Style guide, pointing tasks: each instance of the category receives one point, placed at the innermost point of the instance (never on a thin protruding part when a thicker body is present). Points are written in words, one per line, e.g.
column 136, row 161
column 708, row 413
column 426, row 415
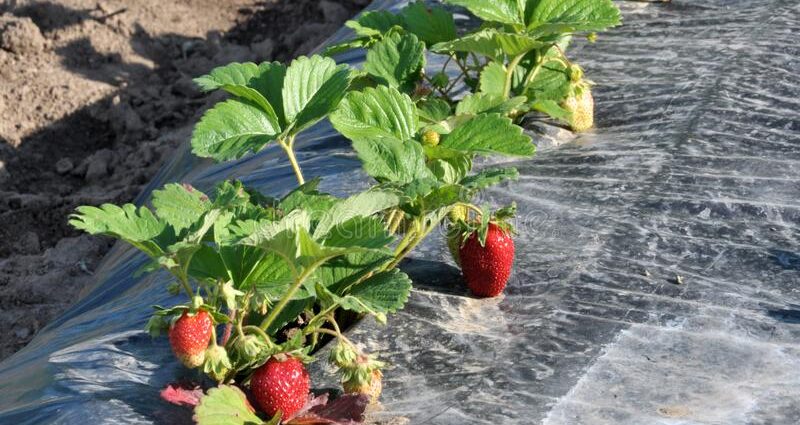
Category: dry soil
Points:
column 93, row 95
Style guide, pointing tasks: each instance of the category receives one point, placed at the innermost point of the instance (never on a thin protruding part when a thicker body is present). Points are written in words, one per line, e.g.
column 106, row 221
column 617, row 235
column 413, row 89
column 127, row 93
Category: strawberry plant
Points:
column 268, row 279
column 514, row 62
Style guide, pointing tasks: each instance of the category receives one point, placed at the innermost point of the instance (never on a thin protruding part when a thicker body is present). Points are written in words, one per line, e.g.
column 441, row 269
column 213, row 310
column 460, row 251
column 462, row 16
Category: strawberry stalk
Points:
column 288, row 146
column 289, row 295
column 510, row 75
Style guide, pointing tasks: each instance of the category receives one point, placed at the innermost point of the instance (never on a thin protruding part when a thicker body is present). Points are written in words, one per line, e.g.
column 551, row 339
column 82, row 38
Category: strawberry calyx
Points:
column 463, row 229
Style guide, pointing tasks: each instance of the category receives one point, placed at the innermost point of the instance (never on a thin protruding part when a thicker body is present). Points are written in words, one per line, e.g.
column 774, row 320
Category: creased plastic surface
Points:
column 693, row 172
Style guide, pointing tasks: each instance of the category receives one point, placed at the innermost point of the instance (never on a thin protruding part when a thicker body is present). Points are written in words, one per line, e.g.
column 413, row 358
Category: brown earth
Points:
column 92, row 96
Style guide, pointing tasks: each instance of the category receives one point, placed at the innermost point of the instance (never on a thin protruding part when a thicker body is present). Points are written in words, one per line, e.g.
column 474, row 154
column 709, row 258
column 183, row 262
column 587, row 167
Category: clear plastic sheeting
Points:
column 693, row 171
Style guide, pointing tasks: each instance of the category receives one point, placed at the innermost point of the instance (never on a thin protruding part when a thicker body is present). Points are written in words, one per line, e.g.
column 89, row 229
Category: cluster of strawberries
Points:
column 282, row 384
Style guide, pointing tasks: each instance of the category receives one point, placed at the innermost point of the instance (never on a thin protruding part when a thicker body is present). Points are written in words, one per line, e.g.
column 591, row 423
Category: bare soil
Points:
column 92, row 97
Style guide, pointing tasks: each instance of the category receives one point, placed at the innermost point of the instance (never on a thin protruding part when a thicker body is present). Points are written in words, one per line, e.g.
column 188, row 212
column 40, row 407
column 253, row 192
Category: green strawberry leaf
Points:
column 264, row 232
column 550, row 83
column 232, row 74
column 269, row 82
column 503, row 11
column 551, row 108
column 376, row 114
column 346, row 46
column 243, row 202
column 272, row 291
column 489, row 134
column 338, row 274
column 374, row 23
column 385, row 292
column 490, row 177
column 368, row 232
column 491, row 43
column 431, row 24
column 433, row 110
column 451, row 170
column 396, row 61
column 308, row 198
column 231, row 129
column 312, row 88
column 180, row 205
column 363, row 204
column 493, row 80
column 392, row 160
column 245, row 265
column 178, row 256
column 207, row 265
column 314, row 202
column 259, row 267
column 227, row 405
column 239, row 79
column 565, row 16
column 140, row 228
column 444, row 196
column 478, row 103
column 290, row 239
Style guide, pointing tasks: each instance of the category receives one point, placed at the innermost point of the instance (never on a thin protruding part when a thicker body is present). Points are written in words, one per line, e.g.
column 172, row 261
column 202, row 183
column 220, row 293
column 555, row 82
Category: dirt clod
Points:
column 20, row 35
column 64, row 166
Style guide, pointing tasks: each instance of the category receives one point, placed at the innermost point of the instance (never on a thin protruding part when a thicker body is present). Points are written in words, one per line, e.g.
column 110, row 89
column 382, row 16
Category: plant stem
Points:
column 404, row 242
column 441, row 91
column 322, row 314
column 337, row 335
column 228, row 328
column 257, row 330
column 532, row 74
column 285, row 300
column 396, row 220
column 473, row 208
column 407, row 245
column 288, row 147
column 390, row 219
column 510, row 74
column 213, row 336
column 463, row 67
column 186, row 287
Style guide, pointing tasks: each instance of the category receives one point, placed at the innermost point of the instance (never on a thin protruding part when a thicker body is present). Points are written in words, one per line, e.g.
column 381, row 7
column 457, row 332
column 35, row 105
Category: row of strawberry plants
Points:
column 267, row 280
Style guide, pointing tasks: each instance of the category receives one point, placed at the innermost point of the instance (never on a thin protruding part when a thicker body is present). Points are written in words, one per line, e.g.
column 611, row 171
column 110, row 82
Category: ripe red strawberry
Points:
column 281, row 385
column 189, row 337
column 487, row 268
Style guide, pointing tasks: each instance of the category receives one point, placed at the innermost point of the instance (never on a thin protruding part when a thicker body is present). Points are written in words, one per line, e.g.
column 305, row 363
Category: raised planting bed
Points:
column 655, row 257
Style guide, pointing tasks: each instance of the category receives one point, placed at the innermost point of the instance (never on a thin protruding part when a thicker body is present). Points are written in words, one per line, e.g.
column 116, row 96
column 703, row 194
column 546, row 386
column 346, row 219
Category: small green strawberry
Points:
column 363, row 377
column 430, row 138
column 370, row 384
column 361, row 373
column 217, row 364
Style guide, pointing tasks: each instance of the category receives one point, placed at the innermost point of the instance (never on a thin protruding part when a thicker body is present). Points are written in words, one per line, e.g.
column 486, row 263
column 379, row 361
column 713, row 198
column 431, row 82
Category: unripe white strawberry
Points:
column 580, row 104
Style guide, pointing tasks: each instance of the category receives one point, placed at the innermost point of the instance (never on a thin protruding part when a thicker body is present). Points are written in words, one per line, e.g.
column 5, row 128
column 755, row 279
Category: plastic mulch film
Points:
column 692, row 171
